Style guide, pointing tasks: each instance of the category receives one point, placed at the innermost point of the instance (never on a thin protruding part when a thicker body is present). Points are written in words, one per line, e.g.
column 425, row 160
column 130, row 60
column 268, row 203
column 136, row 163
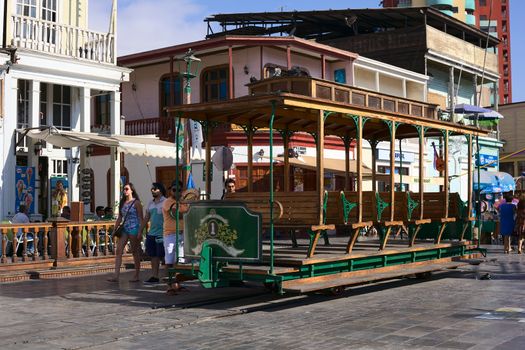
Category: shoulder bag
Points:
column 120, row 229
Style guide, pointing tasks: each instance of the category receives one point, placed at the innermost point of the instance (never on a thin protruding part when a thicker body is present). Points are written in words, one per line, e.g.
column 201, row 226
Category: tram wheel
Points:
column 271, row 287
column 424, row 275
column 334, row 291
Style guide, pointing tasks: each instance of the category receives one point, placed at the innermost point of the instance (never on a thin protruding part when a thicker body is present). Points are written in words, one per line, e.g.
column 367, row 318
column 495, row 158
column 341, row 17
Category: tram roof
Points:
column 301, row 114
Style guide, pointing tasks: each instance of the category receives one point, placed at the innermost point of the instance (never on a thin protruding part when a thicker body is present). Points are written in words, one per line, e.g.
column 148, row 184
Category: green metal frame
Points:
column 347, row 207
column 211, row 274
column 381, row 205
column 411, row 205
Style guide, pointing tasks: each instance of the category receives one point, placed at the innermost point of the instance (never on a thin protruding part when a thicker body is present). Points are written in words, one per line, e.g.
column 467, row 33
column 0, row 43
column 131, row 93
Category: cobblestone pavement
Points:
column 461, row 309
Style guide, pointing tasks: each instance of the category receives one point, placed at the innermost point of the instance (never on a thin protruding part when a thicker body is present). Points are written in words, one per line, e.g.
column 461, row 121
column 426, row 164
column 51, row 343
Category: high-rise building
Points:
column 489, row 15
column 493, row 16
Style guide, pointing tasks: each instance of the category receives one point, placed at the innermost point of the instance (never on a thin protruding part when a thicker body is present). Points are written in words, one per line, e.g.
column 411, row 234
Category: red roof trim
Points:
column 234, row 40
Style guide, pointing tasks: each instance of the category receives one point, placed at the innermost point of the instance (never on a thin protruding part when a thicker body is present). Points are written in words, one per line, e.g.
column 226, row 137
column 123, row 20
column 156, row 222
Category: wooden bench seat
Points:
column 292, row 210
column 434, row 211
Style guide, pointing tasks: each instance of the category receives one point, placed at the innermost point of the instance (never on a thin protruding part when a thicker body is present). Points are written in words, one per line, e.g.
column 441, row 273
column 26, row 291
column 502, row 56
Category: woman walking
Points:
column 520, row 224
column 130, row 214
column 507, row 211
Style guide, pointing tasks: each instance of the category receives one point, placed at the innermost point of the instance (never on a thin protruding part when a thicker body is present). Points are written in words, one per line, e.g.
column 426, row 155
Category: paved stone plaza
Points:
column 462, row 309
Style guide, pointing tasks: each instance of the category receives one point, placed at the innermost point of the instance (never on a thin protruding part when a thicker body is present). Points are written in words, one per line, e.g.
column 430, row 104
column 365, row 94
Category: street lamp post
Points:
column 189, row 59
column 478, row 188
column 190, row 73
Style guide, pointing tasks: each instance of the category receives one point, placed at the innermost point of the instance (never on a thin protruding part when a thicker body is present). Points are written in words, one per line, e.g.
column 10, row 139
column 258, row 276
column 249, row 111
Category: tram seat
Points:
column 459, row 210
column 376, row 212
column 434, row 211
column 292, row 210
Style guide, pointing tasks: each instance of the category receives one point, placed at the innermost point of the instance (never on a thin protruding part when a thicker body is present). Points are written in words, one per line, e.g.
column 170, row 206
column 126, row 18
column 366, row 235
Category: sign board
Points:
column 384, row 154
column 408, row 179
column 25, row 188
column 487, row 160
column 233, row 231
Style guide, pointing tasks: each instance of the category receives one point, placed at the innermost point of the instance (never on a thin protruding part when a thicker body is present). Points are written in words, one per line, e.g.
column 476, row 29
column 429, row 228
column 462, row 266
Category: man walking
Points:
column 154, row 237
column 173, row 240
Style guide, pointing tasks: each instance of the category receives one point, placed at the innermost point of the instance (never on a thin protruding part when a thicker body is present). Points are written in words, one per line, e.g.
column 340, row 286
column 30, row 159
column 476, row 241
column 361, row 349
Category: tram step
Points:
column 313, row 284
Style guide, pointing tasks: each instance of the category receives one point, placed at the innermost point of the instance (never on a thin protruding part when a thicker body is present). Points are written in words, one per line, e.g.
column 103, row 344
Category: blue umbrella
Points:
column 494, row 182
column 464, row 108
column 492, row 115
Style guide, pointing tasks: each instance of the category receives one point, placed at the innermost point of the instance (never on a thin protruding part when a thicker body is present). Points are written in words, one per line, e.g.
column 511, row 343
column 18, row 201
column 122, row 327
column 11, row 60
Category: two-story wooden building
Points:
column 235, row 66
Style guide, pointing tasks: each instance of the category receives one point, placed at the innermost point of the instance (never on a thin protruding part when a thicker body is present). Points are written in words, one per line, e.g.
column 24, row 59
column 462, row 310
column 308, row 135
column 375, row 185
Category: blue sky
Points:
column 149, row 24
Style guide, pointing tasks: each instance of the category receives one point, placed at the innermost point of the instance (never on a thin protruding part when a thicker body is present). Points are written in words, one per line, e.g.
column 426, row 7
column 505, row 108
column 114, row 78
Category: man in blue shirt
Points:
column 154, row 237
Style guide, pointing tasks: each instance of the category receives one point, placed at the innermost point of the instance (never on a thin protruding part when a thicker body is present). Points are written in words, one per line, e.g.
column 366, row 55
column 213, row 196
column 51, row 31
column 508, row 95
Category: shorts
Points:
column 154, row 247
column 133, row 232
column 169, row 248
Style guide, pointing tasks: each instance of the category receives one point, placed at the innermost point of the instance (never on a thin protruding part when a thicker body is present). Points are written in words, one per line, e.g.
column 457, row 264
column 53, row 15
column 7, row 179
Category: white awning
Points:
column 148, row 146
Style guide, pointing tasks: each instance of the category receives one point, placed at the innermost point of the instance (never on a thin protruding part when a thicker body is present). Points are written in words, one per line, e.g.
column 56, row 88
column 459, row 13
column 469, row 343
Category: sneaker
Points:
column 152, row 280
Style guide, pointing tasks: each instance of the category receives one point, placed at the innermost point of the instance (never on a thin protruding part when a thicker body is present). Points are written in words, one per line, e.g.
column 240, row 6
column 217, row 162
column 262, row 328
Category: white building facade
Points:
column 56, row 74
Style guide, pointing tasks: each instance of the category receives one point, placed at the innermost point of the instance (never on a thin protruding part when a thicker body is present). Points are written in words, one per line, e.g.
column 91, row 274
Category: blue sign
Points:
column 488, row 160
column 25, row 188
column 407, row 157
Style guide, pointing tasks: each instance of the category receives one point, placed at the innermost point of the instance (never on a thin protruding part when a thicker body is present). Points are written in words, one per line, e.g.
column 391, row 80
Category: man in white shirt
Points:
column 22, row 218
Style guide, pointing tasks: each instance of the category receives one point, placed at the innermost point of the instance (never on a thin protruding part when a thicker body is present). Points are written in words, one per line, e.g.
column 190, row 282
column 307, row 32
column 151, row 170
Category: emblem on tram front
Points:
column 215, row 230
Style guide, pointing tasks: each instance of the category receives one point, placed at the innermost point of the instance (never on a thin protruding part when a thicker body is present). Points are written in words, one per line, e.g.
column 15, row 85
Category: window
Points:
column 23, row 103
column 340, row 76
column 45, row 10
column 26, row 8
column 214, row 82
column 482, row 3
column 23, row 108
column 384, row 186
column 170, row 91
column 102, row 110
column 62, row 107
column 49, row 10
column 59, row 167
column 43, row 104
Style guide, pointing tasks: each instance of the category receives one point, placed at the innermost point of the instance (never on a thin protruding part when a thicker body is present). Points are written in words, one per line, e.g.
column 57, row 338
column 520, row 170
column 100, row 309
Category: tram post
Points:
column 271, row 187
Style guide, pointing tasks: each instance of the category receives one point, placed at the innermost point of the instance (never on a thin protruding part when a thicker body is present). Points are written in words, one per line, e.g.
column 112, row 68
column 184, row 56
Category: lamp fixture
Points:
column 246, row 70
column 89, row 150
column 38, row 148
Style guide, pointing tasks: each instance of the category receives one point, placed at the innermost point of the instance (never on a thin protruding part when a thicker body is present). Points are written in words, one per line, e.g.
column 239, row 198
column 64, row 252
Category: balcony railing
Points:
column 45, row 36
column 328, row 90
column 163, row 127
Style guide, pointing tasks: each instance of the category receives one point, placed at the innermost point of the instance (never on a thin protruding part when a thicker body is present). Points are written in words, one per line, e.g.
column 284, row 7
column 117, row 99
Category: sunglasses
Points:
column 127, row 189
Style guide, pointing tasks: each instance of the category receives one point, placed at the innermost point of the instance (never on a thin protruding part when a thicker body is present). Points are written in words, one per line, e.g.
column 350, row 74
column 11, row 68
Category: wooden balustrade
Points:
column 59, row 242
column 61, row 39
column 163, row 127
column 328, row 90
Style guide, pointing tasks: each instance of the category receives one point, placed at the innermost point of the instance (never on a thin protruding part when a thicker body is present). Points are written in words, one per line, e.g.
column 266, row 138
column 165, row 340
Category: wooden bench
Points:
column 434, row 211
column 292, row 210
column 459, row 210
column 376, row 212
column 414, row 221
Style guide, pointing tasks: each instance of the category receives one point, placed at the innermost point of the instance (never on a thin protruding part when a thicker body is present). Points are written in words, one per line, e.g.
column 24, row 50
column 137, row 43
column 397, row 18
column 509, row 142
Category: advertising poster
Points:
column 58, row 187
column 25, row 188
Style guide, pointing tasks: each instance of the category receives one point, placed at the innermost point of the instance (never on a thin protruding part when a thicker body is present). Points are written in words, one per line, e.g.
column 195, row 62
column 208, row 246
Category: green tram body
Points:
column 287, row 112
